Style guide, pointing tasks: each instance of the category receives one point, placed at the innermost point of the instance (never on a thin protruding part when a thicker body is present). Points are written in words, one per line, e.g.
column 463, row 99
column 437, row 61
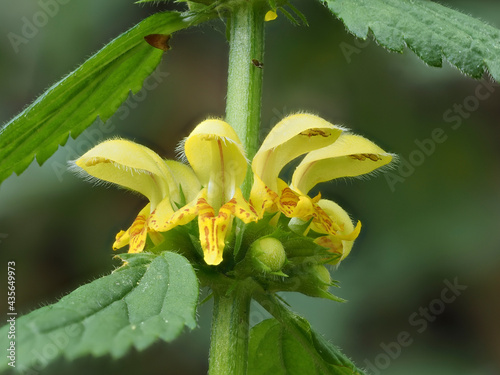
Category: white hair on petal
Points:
column 379, row 170
column 95, row 181
column 84, row 175
column 341, row 127
column 180, row 152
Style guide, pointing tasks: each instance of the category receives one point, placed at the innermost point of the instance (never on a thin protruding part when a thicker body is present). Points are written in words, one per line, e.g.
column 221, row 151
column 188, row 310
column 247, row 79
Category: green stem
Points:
column 230, row 326
column 244, row 86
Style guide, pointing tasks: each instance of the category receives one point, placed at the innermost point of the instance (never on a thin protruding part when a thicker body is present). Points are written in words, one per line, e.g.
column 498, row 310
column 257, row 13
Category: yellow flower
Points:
column 210, row 186
column 137, row 168
column 332, row 153
column 209, row 189
column 218, row 160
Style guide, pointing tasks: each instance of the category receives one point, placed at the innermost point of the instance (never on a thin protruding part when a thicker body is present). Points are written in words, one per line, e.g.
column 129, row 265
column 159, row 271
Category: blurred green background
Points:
column 434, row 221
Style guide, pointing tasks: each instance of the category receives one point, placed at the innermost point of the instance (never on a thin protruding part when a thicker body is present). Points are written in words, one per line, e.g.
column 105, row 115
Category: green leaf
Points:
column 296, row 348
column 429, row 29
column 134, row 306
column 96, row 89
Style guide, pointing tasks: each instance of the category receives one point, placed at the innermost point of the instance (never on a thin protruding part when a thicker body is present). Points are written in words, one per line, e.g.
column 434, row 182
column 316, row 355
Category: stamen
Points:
column 312, row 132
column 362, row 157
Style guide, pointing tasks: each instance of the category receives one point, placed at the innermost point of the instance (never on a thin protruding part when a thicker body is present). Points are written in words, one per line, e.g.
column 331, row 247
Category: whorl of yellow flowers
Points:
column 209, row 187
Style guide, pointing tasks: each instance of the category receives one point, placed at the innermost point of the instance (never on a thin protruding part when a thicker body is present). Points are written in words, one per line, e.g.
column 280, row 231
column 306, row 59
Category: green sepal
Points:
column 299, row 226
column 304, row 279
column 177, row 239
column 299, row 246
column 195, row 241
column 289, row 16
column 278, row 273
column 249, row 233
column 299, row 14
column 240, row 229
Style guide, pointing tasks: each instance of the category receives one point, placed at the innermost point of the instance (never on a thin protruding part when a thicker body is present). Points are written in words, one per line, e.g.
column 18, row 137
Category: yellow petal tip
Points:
column 270, row 16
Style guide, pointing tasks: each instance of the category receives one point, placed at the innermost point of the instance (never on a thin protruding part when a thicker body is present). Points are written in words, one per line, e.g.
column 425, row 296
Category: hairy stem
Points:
column 244, row 87
column 230, row 324
column 230, row 330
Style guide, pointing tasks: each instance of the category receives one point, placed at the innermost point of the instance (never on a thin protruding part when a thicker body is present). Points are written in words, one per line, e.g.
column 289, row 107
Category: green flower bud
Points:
column 322, row 275
column 268, row 253
column 311, row 279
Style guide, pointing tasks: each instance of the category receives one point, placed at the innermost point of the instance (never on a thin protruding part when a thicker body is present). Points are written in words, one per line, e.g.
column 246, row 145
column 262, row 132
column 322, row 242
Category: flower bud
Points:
column 314, row 281
column 268, row 254
column 322, row 276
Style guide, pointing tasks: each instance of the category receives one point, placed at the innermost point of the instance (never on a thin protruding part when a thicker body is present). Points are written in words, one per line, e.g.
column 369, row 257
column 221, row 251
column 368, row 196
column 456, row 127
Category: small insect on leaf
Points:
column 159, row 41
column 257, row 63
